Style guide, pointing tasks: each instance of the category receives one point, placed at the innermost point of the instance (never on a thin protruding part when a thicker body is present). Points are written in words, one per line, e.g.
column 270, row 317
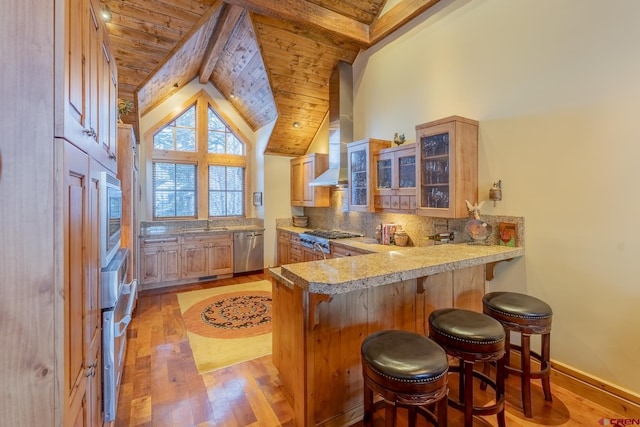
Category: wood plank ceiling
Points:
column 271, row 59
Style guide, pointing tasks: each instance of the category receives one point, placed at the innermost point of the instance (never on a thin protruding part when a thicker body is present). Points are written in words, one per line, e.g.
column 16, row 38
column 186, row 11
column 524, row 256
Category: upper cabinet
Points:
column 360, row 166
column 447, row 155
column 395, row 179
column 305, row 169
column 86, row 114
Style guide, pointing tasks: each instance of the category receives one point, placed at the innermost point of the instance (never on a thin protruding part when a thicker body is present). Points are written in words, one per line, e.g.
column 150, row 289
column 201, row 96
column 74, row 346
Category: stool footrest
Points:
column 478, row 410
column 542, row 373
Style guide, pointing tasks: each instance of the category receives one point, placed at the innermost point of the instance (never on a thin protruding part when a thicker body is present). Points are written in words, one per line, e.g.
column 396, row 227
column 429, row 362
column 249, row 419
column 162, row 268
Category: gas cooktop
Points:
column 332, row 234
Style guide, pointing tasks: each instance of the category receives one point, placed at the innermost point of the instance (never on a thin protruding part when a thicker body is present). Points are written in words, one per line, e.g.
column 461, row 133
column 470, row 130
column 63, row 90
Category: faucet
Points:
column 316, row 245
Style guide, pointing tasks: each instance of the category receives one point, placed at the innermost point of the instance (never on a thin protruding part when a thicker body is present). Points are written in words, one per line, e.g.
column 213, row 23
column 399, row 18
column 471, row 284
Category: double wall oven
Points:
column 118, row 299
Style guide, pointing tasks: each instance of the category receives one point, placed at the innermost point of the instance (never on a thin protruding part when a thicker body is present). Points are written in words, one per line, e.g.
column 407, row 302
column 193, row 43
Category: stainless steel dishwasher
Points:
column 248, row 251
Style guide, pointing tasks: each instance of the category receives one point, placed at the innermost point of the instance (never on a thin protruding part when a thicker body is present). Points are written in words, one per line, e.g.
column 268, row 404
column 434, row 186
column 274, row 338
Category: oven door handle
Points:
column 130, row 289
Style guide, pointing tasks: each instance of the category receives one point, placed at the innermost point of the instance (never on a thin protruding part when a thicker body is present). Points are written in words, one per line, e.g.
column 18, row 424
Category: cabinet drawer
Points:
column 158, row 241
column 211, row 238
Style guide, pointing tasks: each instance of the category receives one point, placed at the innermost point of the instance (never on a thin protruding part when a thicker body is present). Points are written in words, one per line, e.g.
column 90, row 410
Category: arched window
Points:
column 198, row 164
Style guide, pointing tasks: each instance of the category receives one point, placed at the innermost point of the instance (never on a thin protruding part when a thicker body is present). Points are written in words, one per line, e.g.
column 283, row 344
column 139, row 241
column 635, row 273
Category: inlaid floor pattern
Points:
column 161, row 386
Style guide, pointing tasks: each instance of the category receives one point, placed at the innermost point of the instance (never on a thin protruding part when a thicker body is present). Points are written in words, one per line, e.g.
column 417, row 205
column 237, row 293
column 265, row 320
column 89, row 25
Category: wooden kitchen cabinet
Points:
column 206, row 256
column 447, row 157
column 360, row 166
column 395, row 179
column 305, row 169
column 86, row 110
column 284, row 246
column 160, row 261
column 82, row 314
column 129, row 183
column 295, row 250
column 311, row 254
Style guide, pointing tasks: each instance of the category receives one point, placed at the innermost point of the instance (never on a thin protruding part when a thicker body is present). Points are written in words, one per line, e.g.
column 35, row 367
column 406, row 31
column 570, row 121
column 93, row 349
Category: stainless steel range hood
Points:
column 340, row 126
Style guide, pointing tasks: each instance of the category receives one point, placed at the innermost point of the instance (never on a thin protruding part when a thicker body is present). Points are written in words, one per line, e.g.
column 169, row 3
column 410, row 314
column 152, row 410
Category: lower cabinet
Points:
column 310, row 254
column 284, row 246
column 207, row 256
column 183, row 259
column 160, row 261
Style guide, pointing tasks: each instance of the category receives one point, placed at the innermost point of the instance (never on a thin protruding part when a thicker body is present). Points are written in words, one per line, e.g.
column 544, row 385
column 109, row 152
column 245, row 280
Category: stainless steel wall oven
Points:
column 118, row 302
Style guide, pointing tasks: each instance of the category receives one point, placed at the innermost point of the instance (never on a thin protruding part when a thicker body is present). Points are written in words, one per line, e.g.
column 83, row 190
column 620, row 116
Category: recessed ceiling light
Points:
column 296, row 125
column 232, row 95
column 106, row 13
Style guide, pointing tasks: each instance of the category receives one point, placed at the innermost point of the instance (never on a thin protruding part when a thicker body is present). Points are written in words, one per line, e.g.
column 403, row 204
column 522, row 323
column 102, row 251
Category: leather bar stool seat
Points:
column 528, row 316
column 471, row 337
column 408, row 370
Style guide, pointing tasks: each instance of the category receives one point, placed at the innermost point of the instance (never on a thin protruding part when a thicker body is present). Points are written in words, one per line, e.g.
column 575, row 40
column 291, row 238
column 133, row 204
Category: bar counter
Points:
column 323, row 310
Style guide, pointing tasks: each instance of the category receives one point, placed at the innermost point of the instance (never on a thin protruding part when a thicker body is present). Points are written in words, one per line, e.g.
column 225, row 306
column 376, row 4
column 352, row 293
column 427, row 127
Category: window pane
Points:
column 234, row 146
column 216, row 203
column 163, row 140
column 216, row 178
column 188, row 118
column 179, row 135
column 174, row 190
column 234, row 203
column 216, row 142
column 214, row 121
column 226, row 191
column 234, row 178
column 185, row 139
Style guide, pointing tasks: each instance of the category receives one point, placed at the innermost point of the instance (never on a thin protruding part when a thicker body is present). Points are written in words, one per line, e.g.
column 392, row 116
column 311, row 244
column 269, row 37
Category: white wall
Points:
column 555, row 87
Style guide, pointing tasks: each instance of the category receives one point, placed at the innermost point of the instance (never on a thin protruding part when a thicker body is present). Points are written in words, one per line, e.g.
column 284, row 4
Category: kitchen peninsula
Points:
column 322, row 310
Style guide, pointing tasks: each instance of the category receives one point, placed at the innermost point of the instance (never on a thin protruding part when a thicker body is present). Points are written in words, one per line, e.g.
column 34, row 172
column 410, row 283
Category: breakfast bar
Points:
column 323, row 310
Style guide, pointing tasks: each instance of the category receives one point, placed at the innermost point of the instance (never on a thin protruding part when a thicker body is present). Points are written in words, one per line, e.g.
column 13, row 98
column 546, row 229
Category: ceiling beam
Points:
column 227, row 22
column 396, row 17
column 309, row 14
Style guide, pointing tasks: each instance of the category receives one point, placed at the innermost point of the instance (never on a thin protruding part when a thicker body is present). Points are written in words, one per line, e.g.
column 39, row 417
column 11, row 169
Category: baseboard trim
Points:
column 614, row 398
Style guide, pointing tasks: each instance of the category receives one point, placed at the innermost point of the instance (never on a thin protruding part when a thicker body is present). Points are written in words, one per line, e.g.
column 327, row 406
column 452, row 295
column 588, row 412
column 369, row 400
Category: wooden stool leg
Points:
column 500, row 388
column 389, row 415
column 412, row 416
column 442, row 412
column 526, row 375
column 367, row 419
column 507, row 349
column 461, row 381
column 467, row 372
column 546, row 357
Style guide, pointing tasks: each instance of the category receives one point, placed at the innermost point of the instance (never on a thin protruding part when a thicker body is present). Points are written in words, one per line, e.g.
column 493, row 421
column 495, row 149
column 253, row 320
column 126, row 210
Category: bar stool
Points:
column 406, row 369
column 528, row 316
column 471, row 337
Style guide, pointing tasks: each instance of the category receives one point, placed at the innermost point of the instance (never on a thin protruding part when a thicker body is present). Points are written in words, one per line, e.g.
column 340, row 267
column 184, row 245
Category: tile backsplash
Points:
column 417, row 227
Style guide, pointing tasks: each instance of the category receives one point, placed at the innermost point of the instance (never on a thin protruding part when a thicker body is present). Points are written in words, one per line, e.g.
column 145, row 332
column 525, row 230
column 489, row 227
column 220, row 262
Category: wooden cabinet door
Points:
column 297, row 183
column 194, row 261
column 308, row 174
column 150, row 265
column 284, row 246
column 170, row 263
column 76, row 238
column 221, row 258
column 447, row 162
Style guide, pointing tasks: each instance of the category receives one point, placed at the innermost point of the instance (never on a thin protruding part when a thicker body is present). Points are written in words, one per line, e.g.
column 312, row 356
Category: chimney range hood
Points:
column 340, row 126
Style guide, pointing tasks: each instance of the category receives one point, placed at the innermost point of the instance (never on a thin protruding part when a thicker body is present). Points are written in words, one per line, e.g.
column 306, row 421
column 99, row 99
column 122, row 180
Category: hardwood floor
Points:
column 161, row 386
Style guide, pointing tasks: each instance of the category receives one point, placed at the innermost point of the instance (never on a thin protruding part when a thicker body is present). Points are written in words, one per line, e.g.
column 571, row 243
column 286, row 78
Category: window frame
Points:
column 201, row 157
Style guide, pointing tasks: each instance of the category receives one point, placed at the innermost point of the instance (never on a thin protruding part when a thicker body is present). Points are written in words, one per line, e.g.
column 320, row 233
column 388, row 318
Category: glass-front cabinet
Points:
column 360, row 167
column 447, row 155
column 395, row 178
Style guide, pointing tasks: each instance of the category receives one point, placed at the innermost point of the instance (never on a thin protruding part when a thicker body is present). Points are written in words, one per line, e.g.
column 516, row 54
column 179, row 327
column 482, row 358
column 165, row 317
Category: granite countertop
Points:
column 159, row 231
column 394, row 264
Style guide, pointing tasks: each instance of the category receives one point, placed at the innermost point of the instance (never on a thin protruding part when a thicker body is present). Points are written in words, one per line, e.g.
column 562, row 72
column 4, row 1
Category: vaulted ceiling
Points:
column 271, row 59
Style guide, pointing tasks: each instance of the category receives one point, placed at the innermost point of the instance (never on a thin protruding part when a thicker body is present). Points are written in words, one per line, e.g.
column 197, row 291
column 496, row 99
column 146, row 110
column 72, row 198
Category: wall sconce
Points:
column 106, row 13
column 495, row 192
